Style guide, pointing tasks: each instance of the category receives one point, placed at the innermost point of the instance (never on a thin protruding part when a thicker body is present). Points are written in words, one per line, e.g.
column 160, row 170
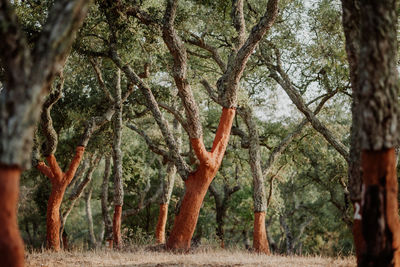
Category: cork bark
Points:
column 117, row 159
column 198, row 182
column 168, row 185
column 377, row 93
column 11, row 244
column 23, row 94
column 59, row 182
column 161, row 223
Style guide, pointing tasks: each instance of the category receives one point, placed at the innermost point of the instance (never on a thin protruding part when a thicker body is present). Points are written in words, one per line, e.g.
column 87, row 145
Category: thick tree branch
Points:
column 179, row 73
column 46, row 121
column 229, row 82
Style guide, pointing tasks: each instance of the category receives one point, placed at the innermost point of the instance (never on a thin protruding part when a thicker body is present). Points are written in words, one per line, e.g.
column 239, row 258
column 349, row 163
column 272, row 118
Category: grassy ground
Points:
column 203, row 258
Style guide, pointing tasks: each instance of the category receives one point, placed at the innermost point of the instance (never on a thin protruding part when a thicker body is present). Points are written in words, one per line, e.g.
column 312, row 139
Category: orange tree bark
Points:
column 168, row 185
column 228, row 85
column 161, row 222
column 11, row 244
column 198, row 182
column 59, row 182
column 377, row 93
column 22, row 97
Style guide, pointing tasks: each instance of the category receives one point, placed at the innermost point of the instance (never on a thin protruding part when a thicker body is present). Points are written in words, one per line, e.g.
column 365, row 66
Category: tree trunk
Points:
column 168, row 186
column 260, row 241
column 104, row 200
column 117, row 157
column 11, row 244
column 380, row 224
column 161, row 222
column 59, row 182
column 53, row 221
column 198, row 182
column 377, row 95
column 89, row 217
column 117, row 239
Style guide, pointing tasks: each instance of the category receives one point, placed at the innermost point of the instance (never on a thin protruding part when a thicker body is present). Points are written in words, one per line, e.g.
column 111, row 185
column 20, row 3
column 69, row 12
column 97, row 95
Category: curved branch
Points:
column 46, row 121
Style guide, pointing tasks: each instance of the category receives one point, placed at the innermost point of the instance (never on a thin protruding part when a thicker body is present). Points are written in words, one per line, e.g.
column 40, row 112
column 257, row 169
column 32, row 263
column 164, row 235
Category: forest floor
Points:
column 197, row 258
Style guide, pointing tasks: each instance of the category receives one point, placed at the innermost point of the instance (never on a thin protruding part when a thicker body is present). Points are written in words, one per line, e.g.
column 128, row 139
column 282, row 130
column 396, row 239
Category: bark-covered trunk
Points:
column 198, row 182
column 21, row 100
column 117, row 158
column 104, row 200
column 379, row 116
column 89, row 217
column 260, row 241
column 59, row 182
column 168, row 185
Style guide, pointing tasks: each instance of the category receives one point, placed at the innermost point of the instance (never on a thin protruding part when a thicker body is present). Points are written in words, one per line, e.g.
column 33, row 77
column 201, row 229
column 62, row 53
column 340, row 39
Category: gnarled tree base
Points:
column 11, row 244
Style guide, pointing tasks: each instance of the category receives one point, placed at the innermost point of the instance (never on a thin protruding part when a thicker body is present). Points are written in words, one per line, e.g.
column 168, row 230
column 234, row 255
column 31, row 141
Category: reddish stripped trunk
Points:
column 11, row 244
column 198, row 182
column 53, row 217
column 260, row 241
column 59, row 182
column 117, row 226
column 380, row 223
column 162, row 220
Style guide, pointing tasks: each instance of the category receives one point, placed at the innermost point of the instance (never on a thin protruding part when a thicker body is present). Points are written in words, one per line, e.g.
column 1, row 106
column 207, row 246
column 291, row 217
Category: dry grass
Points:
column 205, row 257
